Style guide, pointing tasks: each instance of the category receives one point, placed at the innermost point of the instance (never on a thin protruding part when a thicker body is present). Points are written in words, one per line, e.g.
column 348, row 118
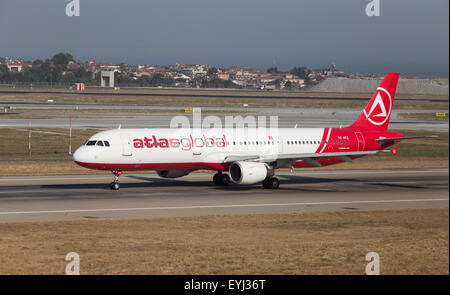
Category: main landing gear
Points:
column 115, row 184
column 271, row 183
column 221, row 179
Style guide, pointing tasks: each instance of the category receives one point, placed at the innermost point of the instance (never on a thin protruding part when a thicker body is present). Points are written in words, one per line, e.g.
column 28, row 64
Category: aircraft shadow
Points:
column 155, row 182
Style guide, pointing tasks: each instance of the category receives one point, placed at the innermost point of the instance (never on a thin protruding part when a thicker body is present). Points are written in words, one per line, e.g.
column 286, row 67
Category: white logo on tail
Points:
column 384, row 101
column 378, row 101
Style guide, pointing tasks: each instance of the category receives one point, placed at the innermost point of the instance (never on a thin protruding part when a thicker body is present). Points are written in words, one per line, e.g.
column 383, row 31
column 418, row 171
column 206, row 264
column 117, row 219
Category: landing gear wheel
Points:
column 271, row 183
column 224, row 179
column 114, row 186
column 221, row 179
column 216, row 179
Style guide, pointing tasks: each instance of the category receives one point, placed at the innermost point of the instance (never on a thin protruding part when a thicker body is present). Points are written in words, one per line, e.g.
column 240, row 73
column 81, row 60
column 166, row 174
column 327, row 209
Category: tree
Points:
column 37, row 62
column 4, row 73
column 218, row 83
column 62, row 59
column 3, row 69
column 301, row 72
column 212, row 71
column 273, row 70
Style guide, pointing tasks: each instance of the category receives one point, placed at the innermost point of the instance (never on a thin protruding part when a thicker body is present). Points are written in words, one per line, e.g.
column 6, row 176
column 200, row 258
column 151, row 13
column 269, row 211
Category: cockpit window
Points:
column 91, row 142
column 100, row 143
column 106, row 143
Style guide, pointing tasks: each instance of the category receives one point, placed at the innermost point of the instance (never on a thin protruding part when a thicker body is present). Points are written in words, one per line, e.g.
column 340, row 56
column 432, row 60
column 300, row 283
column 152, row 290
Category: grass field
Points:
column 76, row 112
column 46, row 143
column 320, row 100
column 221, row 92
column 413, row 241
column 423, row 116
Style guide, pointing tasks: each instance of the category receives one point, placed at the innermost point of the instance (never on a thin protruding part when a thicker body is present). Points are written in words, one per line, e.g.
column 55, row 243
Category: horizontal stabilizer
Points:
column 383, row 140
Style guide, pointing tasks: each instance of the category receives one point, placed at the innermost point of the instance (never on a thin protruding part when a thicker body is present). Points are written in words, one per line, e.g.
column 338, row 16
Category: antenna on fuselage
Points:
column 295, row 126
column 119, row 126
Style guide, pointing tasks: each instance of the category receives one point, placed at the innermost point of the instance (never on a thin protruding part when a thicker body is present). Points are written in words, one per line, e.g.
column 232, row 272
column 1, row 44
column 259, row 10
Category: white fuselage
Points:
column 137, row 147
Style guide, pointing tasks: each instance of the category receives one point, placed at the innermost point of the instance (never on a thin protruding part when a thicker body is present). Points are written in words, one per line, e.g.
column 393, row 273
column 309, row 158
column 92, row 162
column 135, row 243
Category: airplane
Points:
column 243, row 155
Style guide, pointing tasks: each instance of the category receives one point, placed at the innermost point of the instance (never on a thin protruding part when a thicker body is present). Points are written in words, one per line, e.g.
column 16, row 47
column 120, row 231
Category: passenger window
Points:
column 106, row 143
column 100, row 143
column 91, row 142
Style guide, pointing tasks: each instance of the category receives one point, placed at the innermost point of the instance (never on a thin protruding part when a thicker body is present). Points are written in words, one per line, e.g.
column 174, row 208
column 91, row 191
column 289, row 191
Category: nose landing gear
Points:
column 115, row 184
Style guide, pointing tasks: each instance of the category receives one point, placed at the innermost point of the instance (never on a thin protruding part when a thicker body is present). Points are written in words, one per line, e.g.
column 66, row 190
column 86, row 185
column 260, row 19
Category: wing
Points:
column 307, row 157
column 230, row 159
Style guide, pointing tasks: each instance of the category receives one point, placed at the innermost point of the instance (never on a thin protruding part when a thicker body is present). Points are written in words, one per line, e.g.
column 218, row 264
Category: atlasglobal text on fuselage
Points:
column 243, row 155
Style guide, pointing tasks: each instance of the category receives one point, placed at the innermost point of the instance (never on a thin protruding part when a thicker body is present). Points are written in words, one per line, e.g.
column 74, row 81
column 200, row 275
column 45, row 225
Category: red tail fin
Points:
column 377, row 113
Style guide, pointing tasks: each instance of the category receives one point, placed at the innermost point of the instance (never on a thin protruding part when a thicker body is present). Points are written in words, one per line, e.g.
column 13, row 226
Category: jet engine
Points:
column 173, row 173
column 248, row 172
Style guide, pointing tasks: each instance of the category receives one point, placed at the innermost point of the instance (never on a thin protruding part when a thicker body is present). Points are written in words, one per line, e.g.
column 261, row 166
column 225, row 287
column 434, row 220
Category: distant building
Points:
column 14, row 68
column 144, row 73
column 17, row 65
column 223, row 76
column 107, row 78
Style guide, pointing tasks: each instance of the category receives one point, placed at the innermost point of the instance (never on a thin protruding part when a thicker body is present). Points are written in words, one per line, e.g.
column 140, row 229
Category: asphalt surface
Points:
column 287, row 118
column 82, row 197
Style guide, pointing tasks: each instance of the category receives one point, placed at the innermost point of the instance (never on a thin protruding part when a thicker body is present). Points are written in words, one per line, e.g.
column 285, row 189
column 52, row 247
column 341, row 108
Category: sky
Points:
column 409, row 36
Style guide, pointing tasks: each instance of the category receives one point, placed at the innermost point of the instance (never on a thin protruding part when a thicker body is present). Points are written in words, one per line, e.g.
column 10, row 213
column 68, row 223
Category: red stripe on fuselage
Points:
column 155, row 166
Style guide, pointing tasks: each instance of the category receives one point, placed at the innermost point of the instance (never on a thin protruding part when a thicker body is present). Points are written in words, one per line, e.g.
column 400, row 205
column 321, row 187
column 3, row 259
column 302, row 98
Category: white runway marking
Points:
column 21, row 192
column 220, row 206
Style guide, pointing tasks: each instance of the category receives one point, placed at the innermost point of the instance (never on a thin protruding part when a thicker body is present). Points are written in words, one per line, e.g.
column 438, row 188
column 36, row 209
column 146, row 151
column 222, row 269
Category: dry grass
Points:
column 75, row 111
column 319, row 101
column 46, row 143
column 228, row 92
column 422, row 116
column 413, row 241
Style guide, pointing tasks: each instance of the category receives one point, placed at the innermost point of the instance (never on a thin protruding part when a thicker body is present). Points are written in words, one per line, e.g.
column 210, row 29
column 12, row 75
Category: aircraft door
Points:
column 361, row 142
column 126, row 145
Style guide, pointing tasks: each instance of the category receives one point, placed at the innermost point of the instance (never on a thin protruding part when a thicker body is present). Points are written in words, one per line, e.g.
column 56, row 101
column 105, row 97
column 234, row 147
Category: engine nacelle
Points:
column 173, row 173
column 248, row 172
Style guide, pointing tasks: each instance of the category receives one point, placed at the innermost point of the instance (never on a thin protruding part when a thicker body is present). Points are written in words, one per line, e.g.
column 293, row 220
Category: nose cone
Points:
column 80, row 156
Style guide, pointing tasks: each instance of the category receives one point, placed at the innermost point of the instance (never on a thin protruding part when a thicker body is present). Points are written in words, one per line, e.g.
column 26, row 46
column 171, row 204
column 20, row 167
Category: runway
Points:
column 287, row 118
column 49, row 198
